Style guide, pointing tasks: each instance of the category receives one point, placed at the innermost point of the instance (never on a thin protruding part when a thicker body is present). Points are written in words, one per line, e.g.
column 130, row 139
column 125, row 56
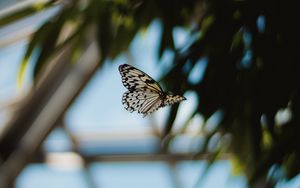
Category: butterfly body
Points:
column 144, row 94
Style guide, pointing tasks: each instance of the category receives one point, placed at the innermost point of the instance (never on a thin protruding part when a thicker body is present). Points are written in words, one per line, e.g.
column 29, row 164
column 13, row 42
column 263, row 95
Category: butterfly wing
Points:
column 144, row 94
column 145, row 102
column 135, row 79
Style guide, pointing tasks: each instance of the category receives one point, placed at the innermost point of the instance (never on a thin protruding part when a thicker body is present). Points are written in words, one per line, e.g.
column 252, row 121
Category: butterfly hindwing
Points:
column 141, row 101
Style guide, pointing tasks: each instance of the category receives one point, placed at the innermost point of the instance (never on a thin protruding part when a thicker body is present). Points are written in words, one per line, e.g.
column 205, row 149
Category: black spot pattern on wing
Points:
column 133, row 79
column 145, row 102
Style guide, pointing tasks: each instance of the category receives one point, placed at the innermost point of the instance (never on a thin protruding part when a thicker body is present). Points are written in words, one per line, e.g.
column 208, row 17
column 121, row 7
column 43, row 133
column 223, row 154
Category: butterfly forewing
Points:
column 144, row 93
column 134, row 79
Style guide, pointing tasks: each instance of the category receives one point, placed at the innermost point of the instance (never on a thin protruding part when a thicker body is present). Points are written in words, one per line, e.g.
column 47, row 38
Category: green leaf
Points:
column 48, row 45
column 24, row 12
column 37, row 38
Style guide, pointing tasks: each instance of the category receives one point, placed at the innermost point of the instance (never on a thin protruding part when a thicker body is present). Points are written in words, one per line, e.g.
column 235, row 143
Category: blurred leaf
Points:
column 292, row 165
column 237, row 41
column 170, row 120
column 237, row 166
column 39, row 35
column 24, row 12
column 49, row 42
column 166, row 40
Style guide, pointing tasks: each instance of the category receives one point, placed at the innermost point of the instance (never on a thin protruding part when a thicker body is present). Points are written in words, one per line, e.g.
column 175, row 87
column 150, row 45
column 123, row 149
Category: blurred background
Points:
column 62, row 123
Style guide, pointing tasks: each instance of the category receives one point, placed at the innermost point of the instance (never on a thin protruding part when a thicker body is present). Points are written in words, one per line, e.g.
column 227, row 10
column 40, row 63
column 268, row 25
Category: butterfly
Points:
column 144, row 94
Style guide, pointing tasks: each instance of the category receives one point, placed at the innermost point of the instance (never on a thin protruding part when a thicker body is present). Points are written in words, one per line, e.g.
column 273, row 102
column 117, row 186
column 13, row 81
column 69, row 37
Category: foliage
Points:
column 252, row 71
